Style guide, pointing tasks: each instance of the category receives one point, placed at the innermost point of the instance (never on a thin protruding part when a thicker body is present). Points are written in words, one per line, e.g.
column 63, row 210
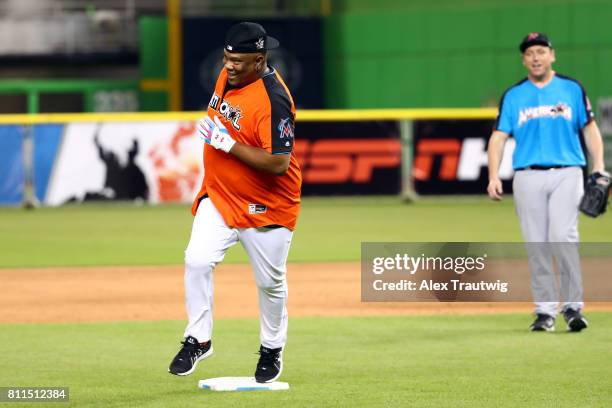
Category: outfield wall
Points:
column 408, row 53
column 156, row 157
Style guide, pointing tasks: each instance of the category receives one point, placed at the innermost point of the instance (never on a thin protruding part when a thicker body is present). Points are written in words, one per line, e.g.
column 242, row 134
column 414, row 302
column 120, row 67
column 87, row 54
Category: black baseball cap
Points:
column 535, row 39
column 249, row 37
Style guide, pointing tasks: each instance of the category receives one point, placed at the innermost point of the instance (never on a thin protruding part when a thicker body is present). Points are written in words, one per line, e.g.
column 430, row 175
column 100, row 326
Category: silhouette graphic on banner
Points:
column 121, row 182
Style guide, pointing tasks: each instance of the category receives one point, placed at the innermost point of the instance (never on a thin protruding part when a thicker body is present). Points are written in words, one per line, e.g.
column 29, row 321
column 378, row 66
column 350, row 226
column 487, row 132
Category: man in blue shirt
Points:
column 547, row 113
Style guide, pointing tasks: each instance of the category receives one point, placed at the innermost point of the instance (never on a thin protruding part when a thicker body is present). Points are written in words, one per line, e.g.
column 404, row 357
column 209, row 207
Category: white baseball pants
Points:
column 546, row 203
column 267, row 249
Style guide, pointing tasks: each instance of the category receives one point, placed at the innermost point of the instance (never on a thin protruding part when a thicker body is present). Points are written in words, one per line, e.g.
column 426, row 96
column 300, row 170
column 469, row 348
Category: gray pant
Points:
column 546, row 203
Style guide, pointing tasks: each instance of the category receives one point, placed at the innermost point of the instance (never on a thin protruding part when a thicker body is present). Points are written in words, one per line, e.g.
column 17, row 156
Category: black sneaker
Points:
column 575, row 320
column 188, row 356
column 270, row 364
column 543, row 322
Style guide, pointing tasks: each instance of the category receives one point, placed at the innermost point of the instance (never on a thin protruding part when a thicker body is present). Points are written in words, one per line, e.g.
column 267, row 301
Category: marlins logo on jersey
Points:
column 285, row 129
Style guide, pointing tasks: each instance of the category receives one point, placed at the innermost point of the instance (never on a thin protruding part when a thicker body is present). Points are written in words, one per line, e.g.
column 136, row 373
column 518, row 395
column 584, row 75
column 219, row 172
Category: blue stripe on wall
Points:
column 47, row 139
column 11, row 165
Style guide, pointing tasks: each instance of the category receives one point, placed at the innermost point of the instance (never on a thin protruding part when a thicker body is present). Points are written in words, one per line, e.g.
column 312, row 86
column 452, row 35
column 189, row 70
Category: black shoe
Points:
column 575, row 320
column 543, row 322
column 188, row 356
column 270, row 364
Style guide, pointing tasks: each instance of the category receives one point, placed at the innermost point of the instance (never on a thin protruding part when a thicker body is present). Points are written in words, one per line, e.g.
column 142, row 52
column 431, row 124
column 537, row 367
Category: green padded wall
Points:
column 153, row 32
column 444, row 53
column 153, row 60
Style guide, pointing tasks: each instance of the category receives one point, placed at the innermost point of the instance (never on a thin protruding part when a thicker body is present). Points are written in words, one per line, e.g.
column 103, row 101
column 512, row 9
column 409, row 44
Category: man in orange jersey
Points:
column 250, row 193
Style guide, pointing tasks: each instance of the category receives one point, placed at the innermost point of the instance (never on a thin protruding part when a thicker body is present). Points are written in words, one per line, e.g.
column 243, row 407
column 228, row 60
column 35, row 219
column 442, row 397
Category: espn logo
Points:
column 336, row 161
column 459, row 159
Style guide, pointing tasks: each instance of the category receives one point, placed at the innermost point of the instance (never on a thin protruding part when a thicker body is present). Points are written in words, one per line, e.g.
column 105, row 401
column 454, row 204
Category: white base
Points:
column 240, row 384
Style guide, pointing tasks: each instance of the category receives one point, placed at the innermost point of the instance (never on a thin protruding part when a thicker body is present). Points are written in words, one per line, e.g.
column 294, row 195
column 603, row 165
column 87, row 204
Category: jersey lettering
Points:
column 214, row 101
column 559, row 110
column 231, row 114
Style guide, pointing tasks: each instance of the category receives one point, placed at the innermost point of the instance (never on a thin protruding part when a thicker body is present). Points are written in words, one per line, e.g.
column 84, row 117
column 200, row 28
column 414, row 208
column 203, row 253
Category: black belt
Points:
column 541, row 167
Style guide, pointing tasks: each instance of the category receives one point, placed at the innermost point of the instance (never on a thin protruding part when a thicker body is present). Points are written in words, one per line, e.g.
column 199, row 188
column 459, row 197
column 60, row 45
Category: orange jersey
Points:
column 261, row 114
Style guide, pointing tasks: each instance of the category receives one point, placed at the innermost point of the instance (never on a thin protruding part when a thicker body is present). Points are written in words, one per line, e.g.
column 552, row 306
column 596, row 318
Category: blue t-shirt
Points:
column 545, row 122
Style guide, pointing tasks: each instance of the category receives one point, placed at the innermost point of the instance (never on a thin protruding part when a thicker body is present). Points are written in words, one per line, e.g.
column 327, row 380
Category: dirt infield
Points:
column 90, row 294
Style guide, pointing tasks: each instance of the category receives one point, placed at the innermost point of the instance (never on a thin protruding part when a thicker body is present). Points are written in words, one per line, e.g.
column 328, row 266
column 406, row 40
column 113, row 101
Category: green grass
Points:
column 435, row 361
column 420, row 361
column 329, row 229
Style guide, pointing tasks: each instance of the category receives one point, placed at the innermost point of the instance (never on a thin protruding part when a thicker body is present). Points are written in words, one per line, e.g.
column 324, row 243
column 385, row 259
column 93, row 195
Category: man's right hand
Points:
column 495, row 189
column 495, row 152
column 205, row 129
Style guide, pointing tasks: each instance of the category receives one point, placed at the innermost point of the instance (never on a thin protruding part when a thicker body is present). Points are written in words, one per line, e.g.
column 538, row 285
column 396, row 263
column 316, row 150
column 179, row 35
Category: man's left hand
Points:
column 596, row 193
